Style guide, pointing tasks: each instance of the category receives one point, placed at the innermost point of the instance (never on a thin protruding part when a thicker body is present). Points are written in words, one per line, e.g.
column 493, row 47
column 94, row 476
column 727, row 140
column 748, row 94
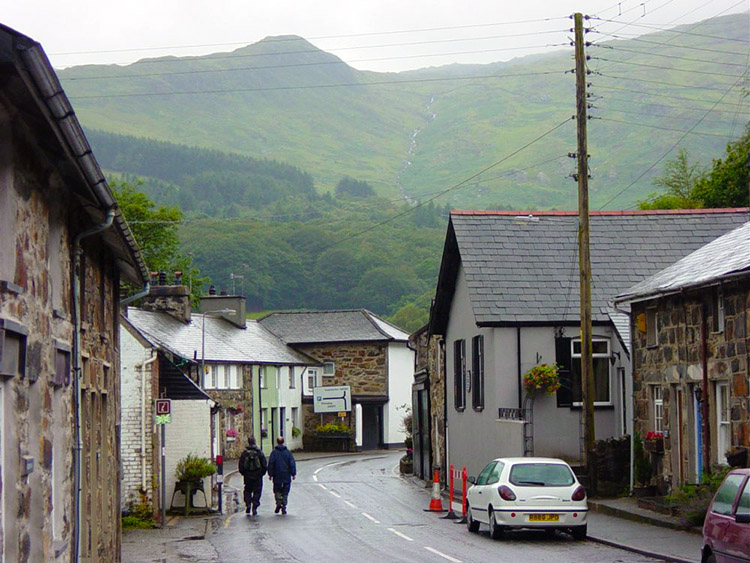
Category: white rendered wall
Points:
column 400, row 379
column 289, row 399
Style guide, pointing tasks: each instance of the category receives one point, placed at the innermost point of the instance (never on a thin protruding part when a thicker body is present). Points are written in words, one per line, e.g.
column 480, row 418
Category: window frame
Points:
column 576, row 357
column 292, row 380
column 477, row 373
column 209, row 377
column 332, row 365
column 311, row 385
column 657, row 405
column 652, row 327
column 459, row 374
column 262, row 379
column 8, row 330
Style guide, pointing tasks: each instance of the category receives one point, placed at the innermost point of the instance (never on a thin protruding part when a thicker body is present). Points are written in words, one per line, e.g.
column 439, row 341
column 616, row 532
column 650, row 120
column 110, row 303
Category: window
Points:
column 277, row 377
column 12, row 349
column 61, row 376
column 209, row 379
column 292, row 381
column 723, row 430
column 652, row 329
column 295, row 417
column 235, row 379
column 743, row 507
column 477, row 373
column 717, row 310
column 262, row 376
column 726, row 494
column 658, row 408
column 222, row 374
column 485, row 474
column 312, row 379
column 494, row 476
column 329, row 369
column 541, row 474
column 601, row 365
column 459, row 374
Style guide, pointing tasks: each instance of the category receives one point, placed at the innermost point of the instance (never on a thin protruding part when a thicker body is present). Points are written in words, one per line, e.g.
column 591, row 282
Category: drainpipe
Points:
column 77, row 359
column 520, row 374
column 445, row 408
column 704, row 392
column 142, row 369
column 139, row 295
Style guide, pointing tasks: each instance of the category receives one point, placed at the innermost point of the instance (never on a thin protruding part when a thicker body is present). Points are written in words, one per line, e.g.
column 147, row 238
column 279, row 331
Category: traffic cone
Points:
column 436, row 502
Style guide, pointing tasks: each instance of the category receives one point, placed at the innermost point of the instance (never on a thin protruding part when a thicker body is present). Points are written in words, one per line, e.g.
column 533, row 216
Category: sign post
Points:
column 163, row 412
column 336, row 398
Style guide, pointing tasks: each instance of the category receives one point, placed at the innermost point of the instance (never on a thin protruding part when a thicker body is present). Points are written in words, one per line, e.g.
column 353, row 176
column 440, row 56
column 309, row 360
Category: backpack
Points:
column 250, row 462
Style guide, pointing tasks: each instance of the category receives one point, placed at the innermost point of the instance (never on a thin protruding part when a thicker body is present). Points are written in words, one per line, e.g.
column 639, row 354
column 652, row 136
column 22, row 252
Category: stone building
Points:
column 358, row 349
column 690, row 327
column 64, row 249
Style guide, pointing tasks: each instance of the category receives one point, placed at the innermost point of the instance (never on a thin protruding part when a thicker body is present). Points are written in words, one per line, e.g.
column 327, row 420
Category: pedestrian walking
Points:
column 252, row 466
column 282, row 470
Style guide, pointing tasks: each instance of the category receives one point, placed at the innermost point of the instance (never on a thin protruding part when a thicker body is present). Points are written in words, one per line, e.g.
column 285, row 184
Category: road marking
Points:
column 443, row 555
column 399, row 534
column 370, row 518
column 322, row 486
column 226, row 522
column 315, row 478
column 318, row 470
column 350, row 504
column 334, row 493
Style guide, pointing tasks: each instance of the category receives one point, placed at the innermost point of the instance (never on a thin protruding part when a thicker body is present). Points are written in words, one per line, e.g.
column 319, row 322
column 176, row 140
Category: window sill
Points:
column 478, row 409
column 600, row 407
column 460, row 409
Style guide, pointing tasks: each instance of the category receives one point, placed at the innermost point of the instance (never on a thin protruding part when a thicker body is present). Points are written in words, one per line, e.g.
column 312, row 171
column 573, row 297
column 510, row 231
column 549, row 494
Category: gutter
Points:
column 143, row 293
column 77, row 359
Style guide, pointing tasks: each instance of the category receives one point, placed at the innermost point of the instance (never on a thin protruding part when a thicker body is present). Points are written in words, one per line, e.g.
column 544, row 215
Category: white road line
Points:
column 443, row 555
column 318, row 470
column 322, row 486
column 370, row 518
column 350, row 504
column 399, row 534
column 315, row 478
column 334, row 493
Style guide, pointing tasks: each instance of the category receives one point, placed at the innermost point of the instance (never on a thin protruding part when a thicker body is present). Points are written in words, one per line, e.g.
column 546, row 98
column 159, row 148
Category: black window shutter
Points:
column 562, row 358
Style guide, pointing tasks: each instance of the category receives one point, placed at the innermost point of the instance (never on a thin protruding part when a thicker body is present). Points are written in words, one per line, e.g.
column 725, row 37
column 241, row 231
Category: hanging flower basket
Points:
column 654, row 442
column 231, row 435
column 541, row 379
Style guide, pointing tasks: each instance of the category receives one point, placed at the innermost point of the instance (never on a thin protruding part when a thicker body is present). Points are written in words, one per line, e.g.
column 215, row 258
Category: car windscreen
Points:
column 541, row 475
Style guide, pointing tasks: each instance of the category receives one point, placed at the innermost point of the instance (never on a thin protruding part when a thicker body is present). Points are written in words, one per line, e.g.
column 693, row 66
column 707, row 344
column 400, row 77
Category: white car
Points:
column 527, row 492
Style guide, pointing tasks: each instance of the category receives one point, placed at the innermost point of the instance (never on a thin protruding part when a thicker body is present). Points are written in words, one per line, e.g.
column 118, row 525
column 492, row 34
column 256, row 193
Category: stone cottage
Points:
column 64, row 249
column 690, row 327
column 358, row 349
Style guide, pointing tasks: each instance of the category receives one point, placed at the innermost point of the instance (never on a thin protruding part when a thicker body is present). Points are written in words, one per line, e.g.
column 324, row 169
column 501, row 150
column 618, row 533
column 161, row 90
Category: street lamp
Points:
column 203, row 338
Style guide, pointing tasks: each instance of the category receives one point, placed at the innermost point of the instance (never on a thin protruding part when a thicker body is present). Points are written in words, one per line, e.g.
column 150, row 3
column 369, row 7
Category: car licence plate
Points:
column 544, row 517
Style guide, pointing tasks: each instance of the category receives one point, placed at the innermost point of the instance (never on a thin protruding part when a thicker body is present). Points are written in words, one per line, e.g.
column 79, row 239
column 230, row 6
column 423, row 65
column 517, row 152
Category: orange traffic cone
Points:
column 436, row 502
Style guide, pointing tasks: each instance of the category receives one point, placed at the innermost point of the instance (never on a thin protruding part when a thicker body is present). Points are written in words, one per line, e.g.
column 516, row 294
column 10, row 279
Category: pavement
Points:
column 617, row 522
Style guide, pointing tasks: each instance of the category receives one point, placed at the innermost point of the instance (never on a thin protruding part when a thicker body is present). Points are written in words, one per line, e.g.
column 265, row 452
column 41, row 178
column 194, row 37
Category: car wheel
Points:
column 550, row 532
column 711, row 558
column 471, row 524
column 579, row 532
column 496, row 532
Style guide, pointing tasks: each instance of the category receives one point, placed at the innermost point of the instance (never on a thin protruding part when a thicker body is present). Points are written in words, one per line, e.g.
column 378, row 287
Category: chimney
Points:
column 213, row 302
column 171, row 299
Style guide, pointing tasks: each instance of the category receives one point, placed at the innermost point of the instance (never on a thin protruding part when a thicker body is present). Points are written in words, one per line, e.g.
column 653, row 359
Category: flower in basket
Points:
column 231, row 433
column 541, row 379
column 654, row 436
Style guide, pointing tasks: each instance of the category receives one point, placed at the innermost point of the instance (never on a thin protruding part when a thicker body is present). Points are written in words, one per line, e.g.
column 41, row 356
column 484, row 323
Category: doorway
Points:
column 372, row 427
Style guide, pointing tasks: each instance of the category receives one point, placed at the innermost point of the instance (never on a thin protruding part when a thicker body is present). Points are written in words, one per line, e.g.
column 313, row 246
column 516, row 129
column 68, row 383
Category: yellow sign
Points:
column 342, row 414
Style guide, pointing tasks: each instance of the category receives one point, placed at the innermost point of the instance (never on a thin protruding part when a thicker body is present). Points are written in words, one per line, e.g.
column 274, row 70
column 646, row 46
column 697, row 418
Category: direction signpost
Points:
column 163, row 415
column 336, row 398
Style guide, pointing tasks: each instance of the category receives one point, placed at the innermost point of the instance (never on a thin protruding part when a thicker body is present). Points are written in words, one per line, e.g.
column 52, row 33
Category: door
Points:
column 371, row 426
column 698, row 436
column 282, row 421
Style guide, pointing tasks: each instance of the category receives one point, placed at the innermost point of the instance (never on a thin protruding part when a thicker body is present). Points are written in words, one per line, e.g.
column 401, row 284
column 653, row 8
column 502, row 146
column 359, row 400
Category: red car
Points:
column 726, row 529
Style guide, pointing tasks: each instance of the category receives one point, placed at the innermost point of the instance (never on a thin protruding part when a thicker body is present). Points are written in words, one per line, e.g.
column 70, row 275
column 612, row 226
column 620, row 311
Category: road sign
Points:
column 332, row 399
column 163, row 411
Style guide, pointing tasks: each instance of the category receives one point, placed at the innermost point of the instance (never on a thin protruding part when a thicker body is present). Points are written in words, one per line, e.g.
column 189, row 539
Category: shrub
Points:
column 296, row 432
column 643, row 468
column 333, row 427
column 134, row 523
column 192, row 468
column 692, row 500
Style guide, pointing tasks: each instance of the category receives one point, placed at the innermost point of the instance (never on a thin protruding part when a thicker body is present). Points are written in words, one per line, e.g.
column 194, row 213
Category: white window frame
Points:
column 657, row 401
column 209, row 378
column 235, row 381
column 292, row 380
column 329, row 369
column 718, row 311
column 594, row 356
column 723, row 421
column 222, row 376
column 278, row 376
column 295, row 417
column 313, row 379
column 262, row 377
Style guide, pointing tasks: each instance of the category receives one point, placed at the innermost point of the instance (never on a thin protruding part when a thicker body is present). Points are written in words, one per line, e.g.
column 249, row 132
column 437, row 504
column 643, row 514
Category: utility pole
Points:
column 584, row 256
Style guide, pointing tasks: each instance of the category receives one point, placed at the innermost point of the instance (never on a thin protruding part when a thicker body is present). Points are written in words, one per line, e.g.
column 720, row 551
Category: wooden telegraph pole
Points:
column 584, row 256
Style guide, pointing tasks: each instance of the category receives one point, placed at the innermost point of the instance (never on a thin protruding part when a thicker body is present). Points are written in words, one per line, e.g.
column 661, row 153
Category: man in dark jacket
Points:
column 252, row 466
column 282, row 470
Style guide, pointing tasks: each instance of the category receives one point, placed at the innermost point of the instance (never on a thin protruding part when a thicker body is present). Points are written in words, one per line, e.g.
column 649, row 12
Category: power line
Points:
column 661, row 82
column 667, row 68
column 317, row 38
column 663, row 156
column 631, row 101
column 657, row 94
column 663, row 44
column 233, row 69
column 676, row 57
column 672, row 30
column 664, row 128
column 664, row 116
column 313, row 86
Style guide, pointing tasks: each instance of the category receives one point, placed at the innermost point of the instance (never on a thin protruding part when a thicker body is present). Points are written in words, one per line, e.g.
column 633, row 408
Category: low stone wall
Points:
column 612, row 466
column 328, row 443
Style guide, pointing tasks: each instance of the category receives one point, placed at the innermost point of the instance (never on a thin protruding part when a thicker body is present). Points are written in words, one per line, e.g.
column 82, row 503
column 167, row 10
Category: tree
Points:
column 156, row 231
column 679, row 180
column 354, row 188
column 726, row 185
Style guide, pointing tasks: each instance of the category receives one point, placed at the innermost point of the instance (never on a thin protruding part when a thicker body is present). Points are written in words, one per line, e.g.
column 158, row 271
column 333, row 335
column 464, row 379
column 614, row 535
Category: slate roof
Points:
column 309, row 327
column 727, row 256
column 523, row 269
column 176, row 385
column 224, row 341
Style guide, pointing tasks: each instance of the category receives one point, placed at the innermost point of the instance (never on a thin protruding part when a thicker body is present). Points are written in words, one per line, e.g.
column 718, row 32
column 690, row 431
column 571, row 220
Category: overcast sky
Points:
column 384, row 35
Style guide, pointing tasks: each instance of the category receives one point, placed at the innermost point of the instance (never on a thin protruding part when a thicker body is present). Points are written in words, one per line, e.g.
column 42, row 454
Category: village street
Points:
column 360, row 509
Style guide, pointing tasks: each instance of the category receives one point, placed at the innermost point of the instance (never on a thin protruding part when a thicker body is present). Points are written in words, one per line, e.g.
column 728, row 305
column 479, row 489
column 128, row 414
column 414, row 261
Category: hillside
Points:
column 410, row 134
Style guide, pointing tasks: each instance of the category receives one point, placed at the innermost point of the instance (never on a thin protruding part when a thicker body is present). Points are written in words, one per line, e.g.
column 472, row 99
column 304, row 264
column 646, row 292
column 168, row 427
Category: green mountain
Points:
column 414, row 133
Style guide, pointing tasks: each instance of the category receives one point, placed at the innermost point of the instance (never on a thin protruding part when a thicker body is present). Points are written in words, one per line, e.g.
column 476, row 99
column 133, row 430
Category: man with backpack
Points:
column 252, row 466
column 281, row 470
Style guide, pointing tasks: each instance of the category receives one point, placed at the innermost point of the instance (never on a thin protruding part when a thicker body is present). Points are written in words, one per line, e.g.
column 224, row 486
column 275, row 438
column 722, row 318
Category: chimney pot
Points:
column 178, row 278
column 211, row 290
column 162, row 277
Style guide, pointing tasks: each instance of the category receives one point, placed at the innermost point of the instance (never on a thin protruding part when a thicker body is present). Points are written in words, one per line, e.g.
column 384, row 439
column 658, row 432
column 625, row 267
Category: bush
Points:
column 296, row 432
column 643, row 469
column 192, row 468
column 333, row 427
column 692, row 500
column 135, row 523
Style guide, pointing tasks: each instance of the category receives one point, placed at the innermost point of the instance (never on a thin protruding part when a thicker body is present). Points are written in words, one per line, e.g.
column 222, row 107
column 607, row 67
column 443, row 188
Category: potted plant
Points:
column 406, row 463
column 231, row 435
column 654, row 442
column 541, row 379
column 296, row 432
column 190, row 472
column 737, row 456
column 643, row 470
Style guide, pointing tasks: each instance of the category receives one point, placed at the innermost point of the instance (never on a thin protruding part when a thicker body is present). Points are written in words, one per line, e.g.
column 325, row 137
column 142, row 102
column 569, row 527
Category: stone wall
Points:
column 227, row 401
column 675, row 364
column 40, row 219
